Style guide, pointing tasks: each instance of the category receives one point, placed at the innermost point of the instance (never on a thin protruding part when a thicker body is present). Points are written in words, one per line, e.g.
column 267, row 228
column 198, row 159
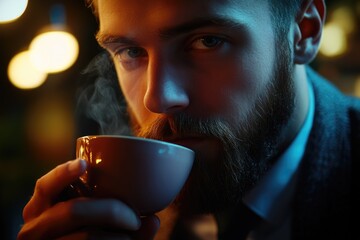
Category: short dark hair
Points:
column 282, row 11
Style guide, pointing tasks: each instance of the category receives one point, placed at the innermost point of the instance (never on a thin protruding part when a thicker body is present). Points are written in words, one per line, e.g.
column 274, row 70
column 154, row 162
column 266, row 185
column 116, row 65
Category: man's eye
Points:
column 130, row 54
column 207, row 42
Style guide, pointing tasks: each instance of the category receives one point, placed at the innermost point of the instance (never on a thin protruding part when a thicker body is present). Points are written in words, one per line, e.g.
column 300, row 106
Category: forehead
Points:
column 119, row 16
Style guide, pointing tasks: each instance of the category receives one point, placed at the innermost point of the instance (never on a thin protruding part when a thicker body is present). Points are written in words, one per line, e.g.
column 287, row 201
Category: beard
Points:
column 247, row 148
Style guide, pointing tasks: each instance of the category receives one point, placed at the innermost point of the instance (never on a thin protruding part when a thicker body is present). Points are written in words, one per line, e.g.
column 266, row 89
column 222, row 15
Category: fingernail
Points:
column 77, row 166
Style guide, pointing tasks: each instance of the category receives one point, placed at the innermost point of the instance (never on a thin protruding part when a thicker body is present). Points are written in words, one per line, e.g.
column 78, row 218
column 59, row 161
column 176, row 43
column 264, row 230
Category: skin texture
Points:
column 230, row 90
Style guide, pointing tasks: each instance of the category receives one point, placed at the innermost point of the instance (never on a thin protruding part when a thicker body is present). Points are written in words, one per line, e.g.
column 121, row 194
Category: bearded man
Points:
column 229, row 80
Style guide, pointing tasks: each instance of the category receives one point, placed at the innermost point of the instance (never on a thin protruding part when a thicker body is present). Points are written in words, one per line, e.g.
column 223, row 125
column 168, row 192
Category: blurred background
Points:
column 44, row 47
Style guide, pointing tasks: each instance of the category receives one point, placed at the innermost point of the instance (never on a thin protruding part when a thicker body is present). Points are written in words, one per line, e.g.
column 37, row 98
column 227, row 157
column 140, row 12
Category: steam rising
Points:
column 101, row 99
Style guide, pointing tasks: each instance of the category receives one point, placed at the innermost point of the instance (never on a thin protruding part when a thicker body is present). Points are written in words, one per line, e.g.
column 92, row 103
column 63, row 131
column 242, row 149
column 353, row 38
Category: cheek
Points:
column 133, row 90
column 231, row 88
column 253, row 75
column 261, row 59
column 220, row 83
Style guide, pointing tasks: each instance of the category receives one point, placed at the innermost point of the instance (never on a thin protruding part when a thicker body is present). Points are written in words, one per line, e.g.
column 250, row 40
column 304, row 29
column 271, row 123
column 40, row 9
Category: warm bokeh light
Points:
column 54, row 51
column 50, row 127
column 334, row 40
column 357, row 87
column 10, row 10
column 23, row 74
column 345, row 18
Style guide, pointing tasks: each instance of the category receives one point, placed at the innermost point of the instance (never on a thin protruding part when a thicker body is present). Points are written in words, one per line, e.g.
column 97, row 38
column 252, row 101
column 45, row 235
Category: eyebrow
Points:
column 167, row 33
column 106, row 39
column 221, row 22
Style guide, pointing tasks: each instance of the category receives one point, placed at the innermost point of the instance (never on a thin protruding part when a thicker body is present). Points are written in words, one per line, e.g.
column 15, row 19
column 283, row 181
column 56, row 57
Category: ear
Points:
column 308, row 30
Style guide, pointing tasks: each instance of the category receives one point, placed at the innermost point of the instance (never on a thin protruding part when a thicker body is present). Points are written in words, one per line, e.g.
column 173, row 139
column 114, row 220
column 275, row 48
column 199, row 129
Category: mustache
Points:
column 182, row 125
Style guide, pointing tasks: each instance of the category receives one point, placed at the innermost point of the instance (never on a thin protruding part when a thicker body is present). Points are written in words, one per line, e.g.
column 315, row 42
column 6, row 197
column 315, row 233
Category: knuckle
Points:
column 27, row 212
column 39, row 190
column 30, row 210
column 42, row 183
column 25, row 233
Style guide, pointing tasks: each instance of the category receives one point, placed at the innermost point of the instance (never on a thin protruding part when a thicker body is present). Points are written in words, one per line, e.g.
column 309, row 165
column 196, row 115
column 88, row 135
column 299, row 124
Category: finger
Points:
column 66, row 217
column 107, row 213
column 149, row 227
column 49, row 186
column 96, row 235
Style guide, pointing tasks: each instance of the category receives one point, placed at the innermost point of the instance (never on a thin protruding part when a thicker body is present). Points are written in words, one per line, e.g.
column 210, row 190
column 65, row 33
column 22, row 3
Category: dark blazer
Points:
column 324, row 201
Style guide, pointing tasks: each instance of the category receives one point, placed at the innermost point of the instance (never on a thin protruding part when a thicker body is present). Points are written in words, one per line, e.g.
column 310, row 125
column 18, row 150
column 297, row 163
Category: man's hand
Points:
column 79, row 218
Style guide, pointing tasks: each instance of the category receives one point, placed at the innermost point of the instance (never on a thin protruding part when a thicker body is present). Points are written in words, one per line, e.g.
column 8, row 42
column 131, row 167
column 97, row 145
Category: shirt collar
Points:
column 271, row 197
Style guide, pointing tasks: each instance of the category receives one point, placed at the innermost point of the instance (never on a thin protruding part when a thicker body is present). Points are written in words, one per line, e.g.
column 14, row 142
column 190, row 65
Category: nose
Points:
column 166, row 89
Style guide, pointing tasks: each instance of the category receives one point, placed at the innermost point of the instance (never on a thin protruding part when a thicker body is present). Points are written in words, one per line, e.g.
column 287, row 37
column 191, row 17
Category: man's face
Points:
column 203, row 74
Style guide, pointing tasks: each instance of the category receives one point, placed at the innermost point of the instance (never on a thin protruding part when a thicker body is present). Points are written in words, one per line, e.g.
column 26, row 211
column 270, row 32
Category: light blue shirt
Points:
column 272, row 196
